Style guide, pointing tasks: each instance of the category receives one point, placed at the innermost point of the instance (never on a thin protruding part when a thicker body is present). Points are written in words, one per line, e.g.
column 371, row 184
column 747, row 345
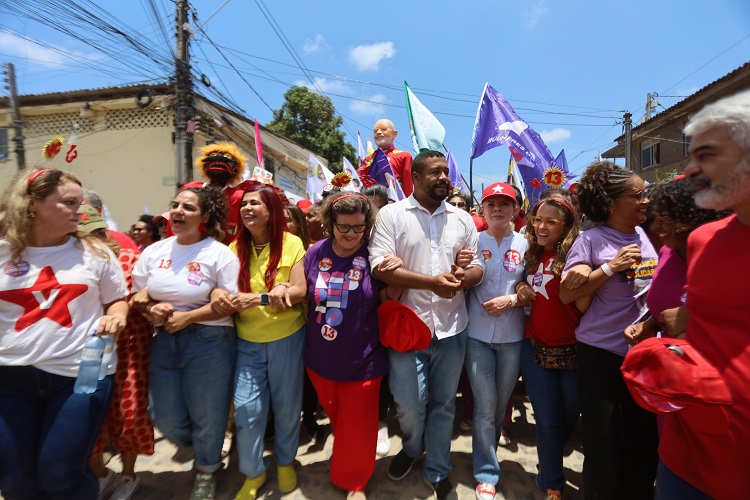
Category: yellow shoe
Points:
column 286, row 478
column 250, row 489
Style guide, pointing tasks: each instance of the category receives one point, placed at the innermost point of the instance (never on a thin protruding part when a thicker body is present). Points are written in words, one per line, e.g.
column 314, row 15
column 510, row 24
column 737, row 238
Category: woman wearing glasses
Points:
column 495, row 331
column 271, row 331
column 620, row 437
column 459, row 200
column 548, row 353
column 343, row 354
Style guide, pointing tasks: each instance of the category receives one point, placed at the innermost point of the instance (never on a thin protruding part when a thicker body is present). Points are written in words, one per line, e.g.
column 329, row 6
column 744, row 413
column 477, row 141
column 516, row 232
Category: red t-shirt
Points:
column 709, row 446
column 400, row 162
column 551, row 323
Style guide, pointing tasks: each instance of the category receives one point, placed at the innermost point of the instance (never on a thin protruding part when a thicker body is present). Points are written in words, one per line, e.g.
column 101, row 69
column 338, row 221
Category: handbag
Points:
column 555, row 358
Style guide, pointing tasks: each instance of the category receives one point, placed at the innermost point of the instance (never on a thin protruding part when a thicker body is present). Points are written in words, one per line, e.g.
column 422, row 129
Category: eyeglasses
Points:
column 345, row 228
column 459, row 204
column 641, row 196
column 549, row 222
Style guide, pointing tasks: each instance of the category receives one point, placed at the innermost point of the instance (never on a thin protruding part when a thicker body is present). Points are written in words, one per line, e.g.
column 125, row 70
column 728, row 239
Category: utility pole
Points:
column 183, row 103
column 628, row 139
column 18, row 128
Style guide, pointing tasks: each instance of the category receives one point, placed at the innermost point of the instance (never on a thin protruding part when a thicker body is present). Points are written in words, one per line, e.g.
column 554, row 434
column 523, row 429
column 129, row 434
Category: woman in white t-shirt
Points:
column 56, row 288
column 193, row 352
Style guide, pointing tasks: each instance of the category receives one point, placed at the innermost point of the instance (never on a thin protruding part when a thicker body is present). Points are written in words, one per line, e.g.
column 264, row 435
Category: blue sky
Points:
column 568, row 67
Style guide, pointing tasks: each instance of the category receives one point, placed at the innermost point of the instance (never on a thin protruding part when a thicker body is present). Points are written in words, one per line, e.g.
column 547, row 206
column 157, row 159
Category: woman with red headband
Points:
column 58, row 287
column 270, row 323
column 548, row 351
column 342, row 325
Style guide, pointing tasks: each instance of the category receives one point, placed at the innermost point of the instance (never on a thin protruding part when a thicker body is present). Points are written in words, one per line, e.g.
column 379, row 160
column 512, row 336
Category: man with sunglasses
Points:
column 433, row 239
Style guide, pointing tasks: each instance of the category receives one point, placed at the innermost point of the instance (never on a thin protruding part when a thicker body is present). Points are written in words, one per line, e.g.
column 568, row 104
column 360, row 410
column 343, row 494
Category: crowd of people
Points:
column 238, row 312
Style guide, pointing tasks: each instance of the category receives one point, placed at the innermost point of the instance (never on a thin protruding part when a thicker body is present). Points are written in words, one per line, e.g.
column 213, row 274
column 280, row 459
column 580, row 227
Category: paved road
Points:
column 162, row 478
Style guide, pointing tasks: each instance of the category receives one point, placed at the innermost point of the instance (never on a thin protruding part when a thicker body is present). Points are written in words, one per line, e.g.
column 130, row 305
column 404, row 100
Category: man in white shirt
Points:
column 428, row 234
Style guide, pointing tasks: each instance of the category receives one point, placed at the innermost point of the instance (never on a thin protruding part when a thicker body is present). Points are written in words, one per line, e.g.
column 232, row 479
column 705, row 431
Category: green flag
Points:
column 426, row 130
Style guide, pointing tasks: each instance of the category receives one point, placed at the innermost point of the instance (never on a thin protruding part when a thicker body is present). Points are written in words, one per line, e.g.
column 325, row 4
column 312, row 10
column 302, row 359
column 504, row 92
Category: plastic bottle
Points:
column 109, row 348
column 91, row 362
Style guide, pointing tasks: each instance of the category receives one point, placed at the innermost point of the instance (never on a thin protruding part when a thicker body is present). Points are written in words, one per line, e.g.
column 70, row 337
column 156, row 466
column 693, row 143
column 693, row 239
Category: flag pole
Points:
column 471, row 178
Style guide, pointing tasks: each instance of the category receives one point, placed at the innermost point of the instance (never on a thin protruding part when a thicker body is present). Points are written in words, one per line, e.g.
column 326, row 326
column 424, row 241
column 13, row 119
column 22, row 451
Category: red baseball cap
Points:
column 401, row 328
column 499, row 189
column 304, row 204
column 665, row 375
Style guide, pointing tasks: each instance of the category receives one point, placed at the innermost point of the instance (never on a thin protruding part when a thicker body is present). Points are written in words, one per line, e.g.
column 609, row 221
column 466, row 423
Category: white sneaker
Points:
column 106, row 483
column 485, row 491
column 384, row 443
column 504, row 438
column 126, row 489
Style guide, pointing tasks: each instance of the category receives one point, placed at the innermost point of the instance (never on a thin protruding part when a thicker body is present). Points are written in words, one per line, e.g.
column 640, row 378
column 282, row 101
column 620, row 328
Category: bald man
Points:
column 384, row 133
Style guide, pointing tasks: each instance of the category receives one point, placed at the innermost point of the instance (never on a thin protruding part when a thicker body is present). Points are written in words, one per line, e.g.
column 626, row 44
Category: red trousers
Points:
column 353, row 410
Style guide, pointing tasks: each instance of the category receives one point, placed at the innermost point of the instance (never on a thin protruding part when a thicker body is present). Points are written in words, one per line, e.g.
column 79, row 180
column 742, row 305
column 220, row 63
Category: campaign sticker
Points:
column 194, row 267
column 511, row 260
column 487, row 254
column 329, row 333
column 354, row 275
column 538, row 279
column 325, row 264
column 359, row 262
column 195, row 278
column 16, row 269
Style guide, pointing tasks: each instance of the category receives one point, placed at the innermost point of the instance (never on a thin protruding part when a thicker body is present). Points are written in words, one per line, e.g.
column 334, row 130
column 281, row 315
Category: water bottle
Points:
column 88, row 369
column 109, row 347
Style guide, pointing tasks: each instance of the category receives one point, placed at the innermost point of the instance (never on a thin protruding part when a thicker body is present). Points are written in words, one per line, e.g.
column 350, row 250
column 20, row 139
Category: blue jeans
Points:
column 190, row 385
column 424, row 384
column 47, row 433
column 669, row 486
column 268, row 371
column 493, row 372
column 554, row 398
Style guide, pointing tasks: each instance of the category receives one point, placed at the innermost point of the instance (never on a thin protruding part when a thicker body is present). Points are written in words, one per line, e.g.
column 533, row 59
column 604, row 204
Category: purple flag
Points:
column 382, row 173
column 453, row 173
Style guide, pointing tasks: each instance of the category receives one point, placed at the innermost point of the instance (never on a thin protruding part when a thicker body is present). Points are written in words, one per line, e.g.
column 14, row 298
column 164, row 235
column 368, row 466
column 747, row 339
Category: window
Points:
column 650, row 154
column 3, row 143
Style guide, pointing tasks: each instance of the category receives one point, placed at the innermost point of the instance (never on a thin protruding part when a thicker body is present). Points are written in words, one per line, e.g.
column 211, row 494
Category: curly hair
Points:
column 349, row 203
column 673, row 203
column 15, row 222
column 600, row 185
column 212, row 202
column 572, row 229
column 276, row 229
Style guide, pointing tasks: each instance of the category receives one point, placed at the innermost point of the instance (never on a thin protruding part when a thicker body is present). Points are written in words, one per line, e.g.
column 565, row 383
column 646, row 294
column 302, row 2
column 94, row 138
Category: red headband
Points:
column 349, row 195
column 558, row 200
column 36, row 174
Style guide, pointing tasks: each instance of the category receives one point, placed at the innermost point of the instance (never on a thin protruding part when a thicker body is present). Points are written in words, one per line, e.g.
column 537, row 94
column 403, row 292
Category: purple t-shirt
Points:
column 343, row 340
column 668, row 284
column 621, row 300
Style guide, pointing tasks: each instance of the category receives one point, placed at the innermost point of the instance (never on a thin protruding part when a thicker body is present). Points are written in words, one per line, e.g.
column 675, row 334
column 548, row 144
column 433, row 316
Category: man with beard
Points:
column 434, row 239
column 384, row 134
column 704, row 447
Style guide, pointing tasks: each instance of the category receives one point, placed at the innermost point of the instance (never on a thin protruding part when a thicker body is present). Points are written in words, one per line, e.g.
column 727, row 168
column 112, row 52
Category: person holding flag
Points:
column 384, row 133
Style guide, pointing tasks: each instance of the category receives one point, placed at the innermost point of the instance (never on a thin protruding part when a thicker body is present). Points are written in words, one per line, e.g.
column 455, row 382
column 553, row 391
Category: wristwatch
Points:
column 264, row 299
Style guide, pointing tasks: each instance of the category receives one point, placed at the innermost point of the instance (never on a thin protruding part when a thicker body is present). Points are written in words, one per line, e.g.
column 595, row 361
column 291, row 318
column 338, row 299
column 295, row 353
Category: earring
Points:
column 32, row 215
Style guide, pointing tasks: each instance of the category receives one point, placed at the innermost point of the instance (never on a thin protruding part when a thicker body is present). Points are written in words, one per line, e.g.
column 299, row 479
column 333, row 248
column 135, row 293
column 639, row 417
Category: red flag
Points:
column 259, row 146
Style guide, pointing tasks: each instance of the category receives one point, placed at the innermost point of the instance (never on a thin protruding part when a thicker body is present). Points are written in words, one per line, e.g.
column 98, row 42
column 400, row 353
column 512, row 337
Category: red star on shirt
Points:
column 46, row 298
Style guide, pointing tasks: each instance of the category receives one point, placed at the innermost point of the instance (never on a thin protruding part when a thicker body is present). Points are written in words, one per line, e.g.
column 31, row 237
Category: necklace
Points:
column 259, row 248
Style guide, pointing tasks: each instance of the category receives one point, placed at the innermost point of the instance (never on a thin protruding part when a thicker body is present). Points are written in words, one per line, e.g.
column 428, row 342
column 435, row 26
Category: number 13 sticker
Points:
column 328, row 332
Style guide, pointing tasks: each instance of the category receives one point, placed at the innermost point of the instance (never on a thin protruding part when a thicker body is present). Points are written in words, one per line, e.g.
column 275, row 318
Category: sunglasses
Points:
column 640, row 195
column 459, row 204
column 345, row 228
column 549, row 222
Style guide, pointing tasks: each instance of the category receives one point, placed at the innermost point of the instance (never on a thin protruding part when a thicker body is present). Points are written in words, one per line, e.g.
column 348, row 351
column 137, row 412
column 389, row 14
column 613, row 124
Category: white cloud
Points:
column 325, row 85
column 315, row 45
column 555, row 135
column 372, row 106
column 538, row 11
column 42, row 56
column 368, row 57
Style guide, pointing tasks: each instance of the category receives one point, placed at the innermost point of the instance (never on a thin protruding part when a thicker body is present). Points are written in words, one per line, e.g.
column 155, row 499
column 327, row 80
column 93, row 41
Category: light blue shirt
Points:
column 503, row 269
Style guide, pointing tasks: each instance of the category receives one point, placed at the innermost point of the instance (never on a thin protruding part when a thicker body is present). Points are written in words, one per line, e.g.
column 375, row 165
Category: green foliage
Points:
column 310, row 119
column 666, row 176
